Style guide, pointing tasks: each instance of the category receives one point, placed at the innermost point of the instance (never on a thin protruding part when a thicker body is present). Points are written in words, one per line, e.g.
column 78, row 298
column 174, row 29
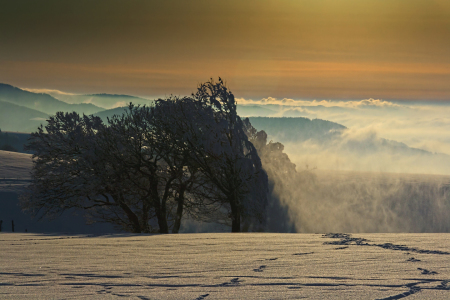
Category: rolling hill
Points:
column 18, row 118
column 106, row 101
column 42, row 102
column 110, row 112
column 297, row 129
column 254, row 110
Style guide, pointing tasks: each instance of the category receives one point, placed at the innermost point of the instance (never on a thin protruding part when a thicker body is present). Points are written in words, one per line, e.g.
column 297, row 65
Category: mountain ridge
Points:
column 41, row 101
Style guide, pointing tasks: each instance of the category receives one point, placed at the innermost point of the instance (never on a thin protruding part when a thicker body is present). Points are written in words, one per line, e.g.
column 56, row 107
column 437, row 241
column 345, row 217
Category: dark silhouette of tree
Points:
column 157, row 164
column 281, row 172
column 193, row 193
column 220, row 148
column 69, row 171
column 151, row 164
column 116, row 172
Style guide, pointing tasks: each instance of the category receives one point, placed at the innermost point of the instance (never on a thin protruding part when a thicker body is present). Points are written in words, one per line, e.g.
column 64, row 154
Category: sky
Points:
column 313, row 49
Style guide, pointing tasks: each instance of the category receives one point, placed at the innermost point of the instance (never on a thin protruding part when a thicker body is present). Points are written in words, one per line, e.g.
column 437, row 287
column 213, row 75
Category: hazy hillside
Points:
column 110, row 112
column 331, row 146
column 20, row 119
column 254, row 110
column 297, row 129
column 42, row 102
column 107, row 101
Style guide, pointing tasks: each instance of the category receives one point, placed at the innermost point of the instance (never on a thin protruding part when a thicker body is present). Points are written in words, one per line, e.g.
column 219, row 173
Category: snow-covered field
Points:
column 212, row 265
column 225, row 266
column 14, row 170
column 14, row 177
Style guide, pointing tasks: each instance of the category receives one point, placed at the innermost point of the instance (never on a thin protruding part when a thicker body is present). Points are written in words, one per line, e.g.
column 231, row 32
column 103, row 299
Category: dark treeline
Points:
column 13, row 141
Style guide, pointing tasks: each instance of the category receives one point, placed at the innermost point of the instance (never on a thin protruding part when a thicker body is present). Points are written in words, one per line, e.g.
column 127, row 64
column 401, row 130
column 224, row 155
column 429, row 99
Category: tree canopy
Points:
column 145, row 169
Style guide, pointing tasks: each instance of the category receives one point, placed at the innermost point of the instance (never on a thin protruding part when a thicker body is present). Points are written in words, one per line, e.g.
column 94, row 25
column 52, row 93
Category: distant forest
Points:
column 13, row 141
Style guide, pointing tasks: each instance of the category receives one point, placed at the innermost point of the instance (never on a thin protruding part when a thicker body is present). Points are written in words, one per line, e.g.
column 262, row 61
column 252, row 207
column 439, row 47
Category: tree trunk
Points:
column 160, row 207
column 162, row 220
column 177, row 225
column 235, row 216
column 134, row 220
column 145, row 208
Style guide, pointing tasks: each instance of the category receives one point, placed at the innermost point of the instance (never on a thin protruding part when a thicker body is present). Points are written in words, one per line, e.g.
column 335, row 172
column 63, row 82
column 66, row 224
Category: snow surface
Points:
column 15, row 165
column 225, row 266
column 14, row 177
column 14, row 170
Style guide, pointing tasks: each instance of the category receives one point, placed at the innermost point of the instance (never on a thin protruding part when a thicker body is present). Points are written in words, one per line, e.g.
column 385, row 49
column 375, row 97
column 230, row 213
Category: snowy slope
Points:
column 225, row 266
column 15, row 165
column 14, row 177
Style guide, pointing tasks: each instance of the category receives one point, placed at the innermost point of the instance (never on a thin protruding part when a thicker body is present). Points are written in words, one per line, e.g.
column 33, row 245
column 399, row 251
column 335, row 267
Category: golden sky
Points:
column 314, row 49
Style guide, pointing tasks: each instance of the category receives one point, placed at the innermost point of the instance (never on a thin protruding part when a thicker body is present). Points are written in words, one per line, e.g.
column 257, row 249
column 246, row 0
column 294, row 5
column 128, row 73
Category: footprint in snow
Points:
column 412, row 259
column 427, row 272
column 305, row 253
column 232, row 282
column 260, row 269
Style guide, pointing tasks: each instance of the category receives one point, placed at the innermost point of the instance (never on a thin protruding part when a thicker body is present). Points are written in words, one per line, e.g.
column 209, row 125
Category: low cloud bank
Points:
column 388, row 171
column 423, row 125
column 363, row 150
column 325, row 103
